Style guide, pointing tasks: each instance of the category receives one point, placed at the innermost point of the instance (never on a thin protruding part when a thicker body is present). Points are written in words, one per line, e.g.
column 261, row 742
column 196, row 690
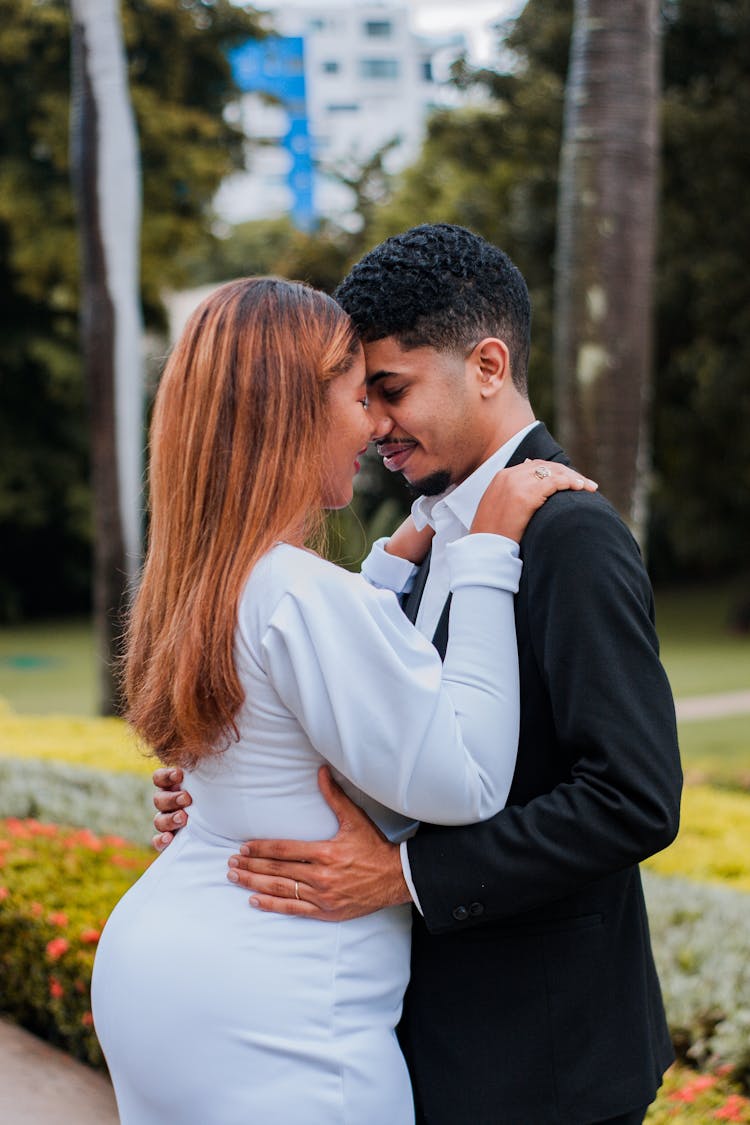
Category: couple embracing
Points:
column 471, row 884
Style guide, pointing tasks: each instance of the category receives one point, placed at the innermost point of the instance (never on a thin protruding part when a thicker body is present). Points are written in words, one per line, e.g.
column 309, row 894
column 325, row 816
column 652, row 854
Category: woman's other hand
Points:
column 408, row 543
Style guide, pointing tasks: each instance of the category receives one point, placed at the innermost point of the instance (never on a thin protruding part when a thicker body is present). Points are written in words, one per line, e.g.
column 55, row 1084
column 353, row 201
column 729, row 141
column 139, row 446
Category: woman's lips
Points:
column 396, row 454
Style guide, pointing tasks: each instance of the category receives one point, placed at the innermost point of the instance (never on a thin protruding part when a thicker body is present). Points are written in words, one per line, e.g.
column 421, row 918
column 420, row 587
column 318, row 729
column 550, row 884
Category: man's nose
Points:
column 380, row 422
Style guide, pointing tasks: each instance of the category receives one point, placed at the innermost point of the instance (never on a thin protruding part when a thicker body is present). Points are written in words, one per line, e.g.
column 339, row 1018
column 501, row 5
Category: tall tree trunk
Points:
column 605, row 248
column 107, row 187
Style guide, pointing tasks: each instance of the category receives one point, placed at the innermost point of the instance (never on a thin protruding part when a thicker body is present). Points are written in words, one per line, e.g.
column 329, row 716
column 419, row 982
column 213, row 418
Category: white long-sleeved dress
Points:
column 212, row 1013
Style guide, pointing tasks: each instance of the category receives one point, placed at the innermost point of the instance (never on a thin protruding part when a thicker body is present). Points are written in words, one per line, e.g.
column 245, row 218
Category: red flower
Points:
column 87, row 1019
column 90, row 937
column 4, row 892
column 56, row 990
column 58, row 918
column 37, row 909
column 57, row 947
column 686, row 1094
column 734, row 1109
column 704, row 1082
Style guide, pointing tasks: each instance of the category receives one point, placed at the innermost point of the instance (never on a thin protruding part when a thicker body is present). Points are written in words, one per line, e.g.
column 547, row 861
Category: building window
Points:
column 427, row 75
column 330, row 66
column 378, row 68
column 339, row 107
column 378, row 29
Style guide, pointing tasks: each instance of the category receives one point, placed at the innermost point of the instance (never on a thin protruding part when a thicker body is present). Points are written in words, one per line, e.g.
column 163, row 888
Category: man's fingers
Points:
column 278, row 888
column 168, row 822
column 162, row 841
column 275, row 868
column 271, row 905
column 171, row 802
column 167, row 777
column 299, row 851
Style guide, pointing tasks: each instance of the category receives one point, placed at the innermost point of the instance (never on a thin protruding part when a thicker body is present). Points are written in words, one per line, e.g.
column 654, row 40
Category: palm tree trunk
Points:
column 605, row 248
column 107, row 187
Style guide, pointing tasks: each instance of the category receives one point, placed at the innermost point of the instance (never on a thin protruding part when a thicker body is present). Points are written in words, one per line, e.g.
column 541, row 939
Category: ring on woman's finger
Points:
column 542, row 472
column 296, row 890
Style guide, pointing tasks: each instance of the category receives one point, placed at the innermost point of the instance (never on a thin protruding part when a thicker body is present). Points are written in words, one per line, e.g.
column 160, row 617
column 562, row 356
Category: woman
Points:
column 253, row 661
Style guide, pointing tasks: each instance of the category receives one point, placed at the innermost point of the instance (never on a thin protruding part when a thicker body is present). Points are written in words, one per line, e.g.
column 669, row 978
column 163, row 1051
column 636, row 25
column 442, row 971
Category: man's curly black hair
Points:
column 440, row 286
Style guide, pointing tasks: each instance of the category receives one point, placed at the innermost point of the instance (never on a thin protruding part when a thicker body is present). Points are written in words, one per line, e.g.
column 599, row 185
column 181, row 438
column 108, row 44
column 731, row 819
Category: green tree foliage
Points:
column 180, row 84
column 494, row 168
column 702, row 416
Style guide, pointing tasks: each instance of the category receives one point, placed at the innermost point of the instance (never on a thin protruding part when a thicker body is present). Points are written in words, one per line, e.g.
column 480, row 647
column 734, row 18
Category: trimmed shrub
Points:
column 714, row 840
column 57, row 888
column 701, row 941
column 99, row 744
column 687, row 1098
column 53, row 791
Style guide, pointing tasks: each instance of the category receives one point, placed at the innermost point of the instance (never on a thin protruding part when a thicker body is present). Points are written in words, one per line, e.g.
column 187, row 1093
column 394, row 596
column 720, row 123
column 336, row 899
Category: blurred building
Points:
column 335, row 85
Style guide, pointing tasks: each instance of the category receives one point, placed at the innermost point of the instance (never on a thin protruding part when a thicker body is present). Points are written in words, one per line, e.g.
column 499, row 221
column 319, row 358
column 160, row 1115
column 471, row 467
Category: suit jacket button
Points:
column 476, row 909
column 460, row 913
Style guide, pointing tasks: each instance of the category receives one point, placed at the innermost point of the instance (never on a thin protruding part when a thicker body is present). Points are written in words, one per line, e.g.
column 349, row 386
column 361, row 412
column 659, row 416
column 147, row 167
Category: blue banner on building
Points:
column 275, row 66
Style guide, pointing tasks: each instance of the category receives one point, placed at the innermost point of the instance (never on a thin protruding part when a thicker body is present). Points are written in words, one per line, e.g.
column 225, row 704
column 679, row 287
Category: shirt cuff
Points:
column 388, row 572
column 406, row 868
column 484, row 560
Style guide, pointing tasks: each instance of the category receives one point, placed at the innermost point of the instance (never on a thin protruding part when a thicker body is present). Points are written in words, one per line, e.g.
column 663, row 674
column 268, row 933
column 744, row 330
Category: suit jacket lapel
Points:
column 410, row 604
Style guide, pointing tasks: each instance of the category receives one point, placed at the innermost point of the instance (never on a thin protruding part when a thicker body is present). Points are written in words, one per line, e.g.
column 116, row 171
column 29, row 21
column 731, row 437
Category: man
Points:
column 533, row 997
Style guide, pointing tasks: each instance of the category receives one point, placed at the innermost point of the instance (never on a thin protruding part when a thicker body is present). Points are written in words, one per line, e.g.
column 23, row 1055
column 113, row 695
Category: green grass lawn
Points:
column 699, row 652
column 50, row 668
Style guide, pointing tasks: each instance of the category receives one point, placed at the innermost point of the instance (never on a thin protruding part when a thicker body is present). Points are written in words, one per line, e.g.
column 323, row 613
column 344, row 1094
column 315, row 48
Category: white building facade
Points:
column 339, row 84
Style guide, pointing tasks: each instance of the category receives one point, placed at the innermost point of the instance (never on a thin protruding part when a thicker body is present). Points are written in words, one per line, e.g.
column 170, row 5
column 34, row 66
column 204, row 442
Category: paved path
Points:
column 718, row 706
column 40, row 1085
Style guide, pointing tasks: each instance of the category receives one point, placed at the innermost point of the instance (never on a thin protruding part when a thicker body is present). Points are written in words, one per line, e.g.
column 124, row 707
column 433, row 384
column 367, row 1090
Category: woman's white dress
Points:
column 213, row 1013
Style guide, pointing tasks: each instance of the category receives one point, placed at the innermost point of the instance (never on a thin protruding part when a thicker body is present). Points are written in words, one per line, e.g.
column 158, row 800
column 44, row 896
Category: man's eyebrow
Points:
column 376, row 376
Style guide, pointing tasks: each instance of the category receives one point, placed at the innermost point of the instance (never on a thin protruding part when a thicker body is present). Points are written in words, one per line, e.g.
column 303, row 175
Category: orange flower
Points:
column 37, row 909
column 87, row 1019
column 90, row 937
column 57, row 947
column 58, row 918
column 124, row 861
column 56, row 990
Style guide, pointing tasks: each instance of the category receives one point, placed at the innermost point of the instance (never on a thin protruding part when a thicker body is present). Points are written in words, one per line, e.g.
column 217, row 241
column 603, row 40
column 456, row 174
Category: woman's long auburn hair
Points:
column 235, row 466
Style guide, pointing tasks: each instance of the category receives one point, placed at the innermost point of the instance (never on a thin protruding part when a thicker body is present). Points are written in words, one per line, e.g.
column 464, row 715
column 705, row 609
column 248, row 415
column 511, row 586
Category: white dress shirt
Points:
column 451, row 516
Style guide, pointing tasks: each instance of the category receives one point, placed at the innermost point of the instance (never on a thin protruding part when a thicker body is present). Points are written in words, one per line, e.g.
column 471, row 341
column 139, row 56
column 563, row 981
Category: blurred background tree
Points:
column 180, row 83
column 604, row 259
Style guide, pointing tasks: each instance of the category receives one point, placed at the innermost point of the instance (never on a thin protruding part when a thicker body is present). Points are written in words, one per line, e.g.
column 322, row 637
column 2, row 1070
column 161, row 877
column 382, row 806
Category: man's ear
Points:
column 491, row 363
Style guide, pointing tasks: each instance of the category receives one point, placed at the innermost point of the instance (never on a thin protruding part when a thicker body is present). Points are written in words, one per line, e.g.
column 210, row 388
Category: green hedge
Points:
column 57, row 888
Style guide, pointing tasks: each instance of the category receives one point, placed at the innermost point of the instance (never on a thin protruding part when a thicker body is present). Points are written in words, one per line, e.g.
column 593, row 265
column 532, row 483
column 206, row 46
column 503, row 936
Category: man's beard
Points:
column 432, row 485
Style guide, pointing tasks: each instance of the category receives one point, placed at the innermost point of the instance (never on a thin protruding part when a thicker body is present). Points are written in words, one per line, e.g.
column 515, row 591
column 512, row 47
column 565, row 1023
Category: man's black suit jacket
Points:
column 533, row 997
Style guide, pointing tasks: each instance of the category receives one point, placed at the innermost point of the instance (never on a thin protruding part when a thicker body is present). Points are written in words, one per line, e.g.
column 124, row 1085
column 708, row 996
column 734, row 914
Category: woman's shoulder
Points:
column 285, row 565
column 289, row 572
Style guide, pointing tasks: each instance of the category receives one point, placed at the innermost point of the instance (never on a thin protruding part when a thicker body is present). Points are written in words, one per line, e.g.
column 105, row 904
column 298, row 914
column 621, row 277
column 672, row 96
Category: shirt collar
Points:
column 462, row 500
